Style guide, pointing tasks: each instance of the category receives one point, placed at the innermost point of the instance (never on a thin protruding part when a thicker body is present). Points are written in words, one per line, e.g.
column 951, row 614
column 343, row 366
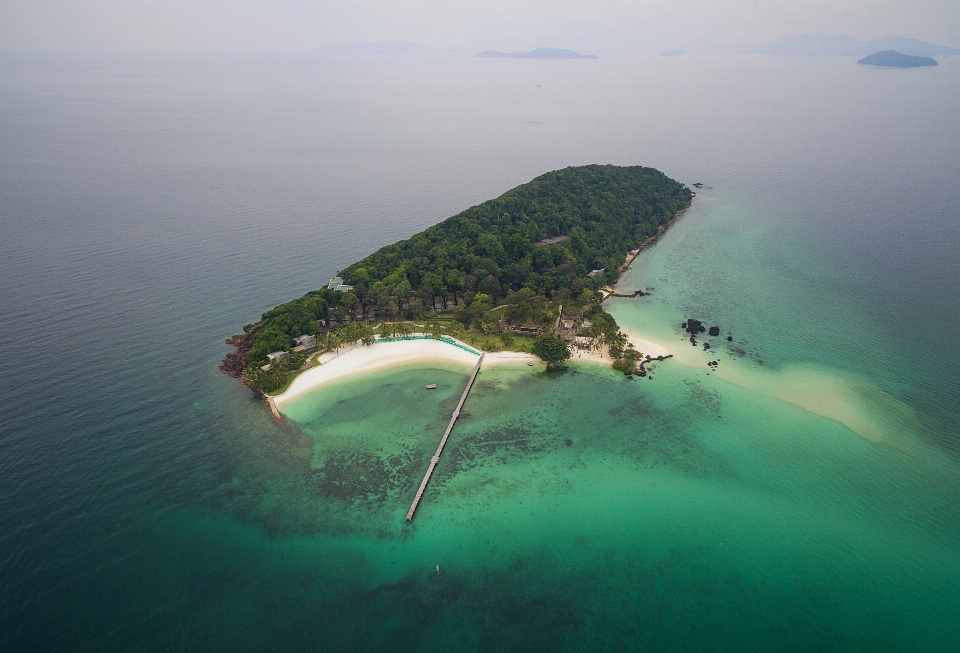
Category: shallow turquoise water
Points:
column 612, row 512
column 675, row 511
column 153, row 204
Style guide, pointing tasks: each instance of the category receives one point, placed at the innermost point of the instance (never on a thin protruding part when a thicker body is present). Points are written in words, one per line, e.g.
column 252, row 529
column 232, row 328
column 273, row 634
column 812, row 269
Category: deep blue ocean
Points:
column 152, row 204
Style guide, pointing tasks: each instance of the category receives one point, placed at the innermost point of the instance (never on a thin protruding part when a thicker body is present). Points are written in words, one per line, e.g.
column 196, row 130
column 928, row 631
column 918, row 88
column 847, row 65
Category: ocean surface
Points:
column 803, row 496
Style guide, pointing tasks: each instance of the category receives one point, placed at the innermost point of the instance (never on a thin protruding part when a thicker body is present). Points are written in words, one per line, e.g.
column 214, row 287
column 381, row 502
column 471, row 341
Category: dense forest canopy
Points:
column 491, row 255
column 604, row 212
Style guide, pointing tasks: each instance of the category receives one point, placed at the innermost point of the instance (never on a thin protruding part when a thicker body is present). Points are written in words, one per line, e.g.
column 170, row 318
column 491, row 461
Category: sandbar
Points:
column 863, row 408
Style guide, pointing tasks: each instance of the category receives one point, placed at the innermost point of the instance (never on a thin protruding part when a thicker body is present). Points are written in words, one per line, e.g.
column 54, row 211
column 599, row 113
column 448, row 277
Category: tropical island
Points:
column 525, row 272
column 894, row 59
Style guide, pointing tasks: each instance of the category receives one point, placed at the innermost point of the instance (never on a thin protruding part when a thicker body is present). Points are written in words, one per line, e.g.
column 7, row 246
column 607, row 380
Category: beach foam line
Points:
column 383, row 354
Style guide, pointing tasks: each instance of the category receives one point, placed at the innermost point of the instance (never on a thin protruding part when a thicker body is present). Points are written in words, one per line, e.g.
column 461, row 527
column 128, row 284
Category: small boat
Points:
column 431, row 386
column 530, row 364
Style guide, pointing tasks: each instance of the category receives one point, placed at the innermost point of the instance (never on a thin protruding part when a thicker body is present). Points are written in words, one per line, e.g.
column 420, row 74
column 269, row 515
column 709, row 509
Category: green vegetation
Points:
column 488, row 269
column 551, row 350
column 604, row 211
column 628, row 359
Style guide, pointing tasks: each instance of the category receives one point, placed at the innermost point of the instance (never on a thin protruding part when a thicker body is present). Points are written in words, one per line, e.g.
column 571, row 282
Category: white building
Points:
column 336, row 283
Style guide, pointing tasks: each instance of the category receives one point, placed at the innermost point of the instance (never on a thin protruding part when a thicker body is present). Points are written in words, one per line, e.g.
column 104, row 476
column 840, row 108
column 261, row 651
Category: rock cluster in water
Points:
column 695, row 327
column 642, row 370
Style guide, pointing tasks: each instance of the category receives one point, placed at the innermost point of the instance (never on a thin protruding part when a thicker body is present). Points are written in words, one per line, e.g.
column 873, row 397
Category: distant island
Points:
column 539, row 53
column 894, row 59
column 671, row 53
column 522, row 272
column 845, row 45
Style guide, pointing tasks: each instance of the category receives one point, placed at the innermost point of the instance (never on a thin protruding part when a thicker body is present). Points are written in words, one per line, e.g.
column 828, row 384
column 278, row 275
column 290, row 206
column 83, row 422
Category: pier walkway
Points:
column 436, row 456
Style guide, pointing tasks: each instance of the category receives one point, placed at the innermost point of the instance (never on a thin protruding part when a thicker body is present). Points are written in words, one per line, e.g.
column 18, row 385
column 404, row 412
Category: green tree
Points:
column 297, row 359
column 617, row 342
column 333, row 341
column 366, row 335
column 274, row 377
column 551, row 350
column 627, row 362
column 523, row 305
column 462, row 314
column 491, row 286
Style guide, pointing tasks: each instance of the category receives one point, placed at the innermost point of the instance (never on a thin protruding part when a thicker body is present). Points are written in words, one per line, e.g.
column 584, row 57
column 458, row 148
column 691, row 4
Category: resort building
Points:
column 336, row 283
column 549, row 241
column 278, row 356
column 594, row 273
column 305, row 342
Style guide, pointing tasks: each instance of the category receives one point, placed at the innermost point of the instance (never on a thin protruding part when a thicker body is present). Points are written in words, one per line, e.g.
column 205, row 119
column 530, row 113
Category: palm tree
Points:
column 365, row 333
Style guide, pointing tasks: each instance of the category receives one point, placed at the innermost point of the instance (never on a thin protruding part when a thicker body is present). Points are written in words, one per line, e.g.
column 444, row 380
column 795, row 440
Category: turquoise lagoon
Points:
column 803, row 496
column 583, row 510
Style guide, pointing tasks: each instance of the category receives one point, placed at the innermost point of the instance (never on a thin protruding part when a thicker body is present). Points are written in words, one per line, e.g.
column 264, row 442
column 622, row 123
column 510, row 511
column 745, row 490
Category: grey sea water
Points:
column 150, row 205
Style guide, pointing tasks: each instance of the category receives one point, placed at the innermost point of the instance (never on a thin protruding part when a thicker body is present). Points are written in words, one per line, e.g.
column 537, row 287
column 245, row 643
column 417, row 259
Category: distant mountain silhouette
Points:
column 671, row 53
column 373, row 47
column 539, row 53
column 894, row 59
column 821, row 44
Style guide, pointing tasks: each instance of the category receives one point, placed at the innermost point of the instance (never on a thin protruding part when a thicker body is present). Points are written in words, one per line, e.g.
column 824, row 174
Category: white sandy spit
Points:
column 359, row 359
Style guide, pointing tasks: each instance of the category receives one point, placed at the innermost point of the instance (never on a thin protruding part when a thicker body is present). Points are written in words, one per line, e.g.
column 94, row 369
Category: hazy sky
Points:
column 598, row 25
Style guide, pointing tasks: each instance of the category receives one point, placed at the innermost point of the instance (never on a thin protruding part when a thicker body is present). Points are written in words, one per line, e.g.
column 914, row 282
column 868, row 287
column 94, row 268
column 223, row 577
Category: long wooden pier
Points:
column 436, row 456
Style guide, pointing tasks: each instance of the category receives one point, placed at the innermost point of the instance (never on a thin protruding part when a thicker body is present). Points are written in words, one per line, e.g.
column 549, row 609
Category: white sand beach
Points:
column 641, row 343
column 359, row 359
